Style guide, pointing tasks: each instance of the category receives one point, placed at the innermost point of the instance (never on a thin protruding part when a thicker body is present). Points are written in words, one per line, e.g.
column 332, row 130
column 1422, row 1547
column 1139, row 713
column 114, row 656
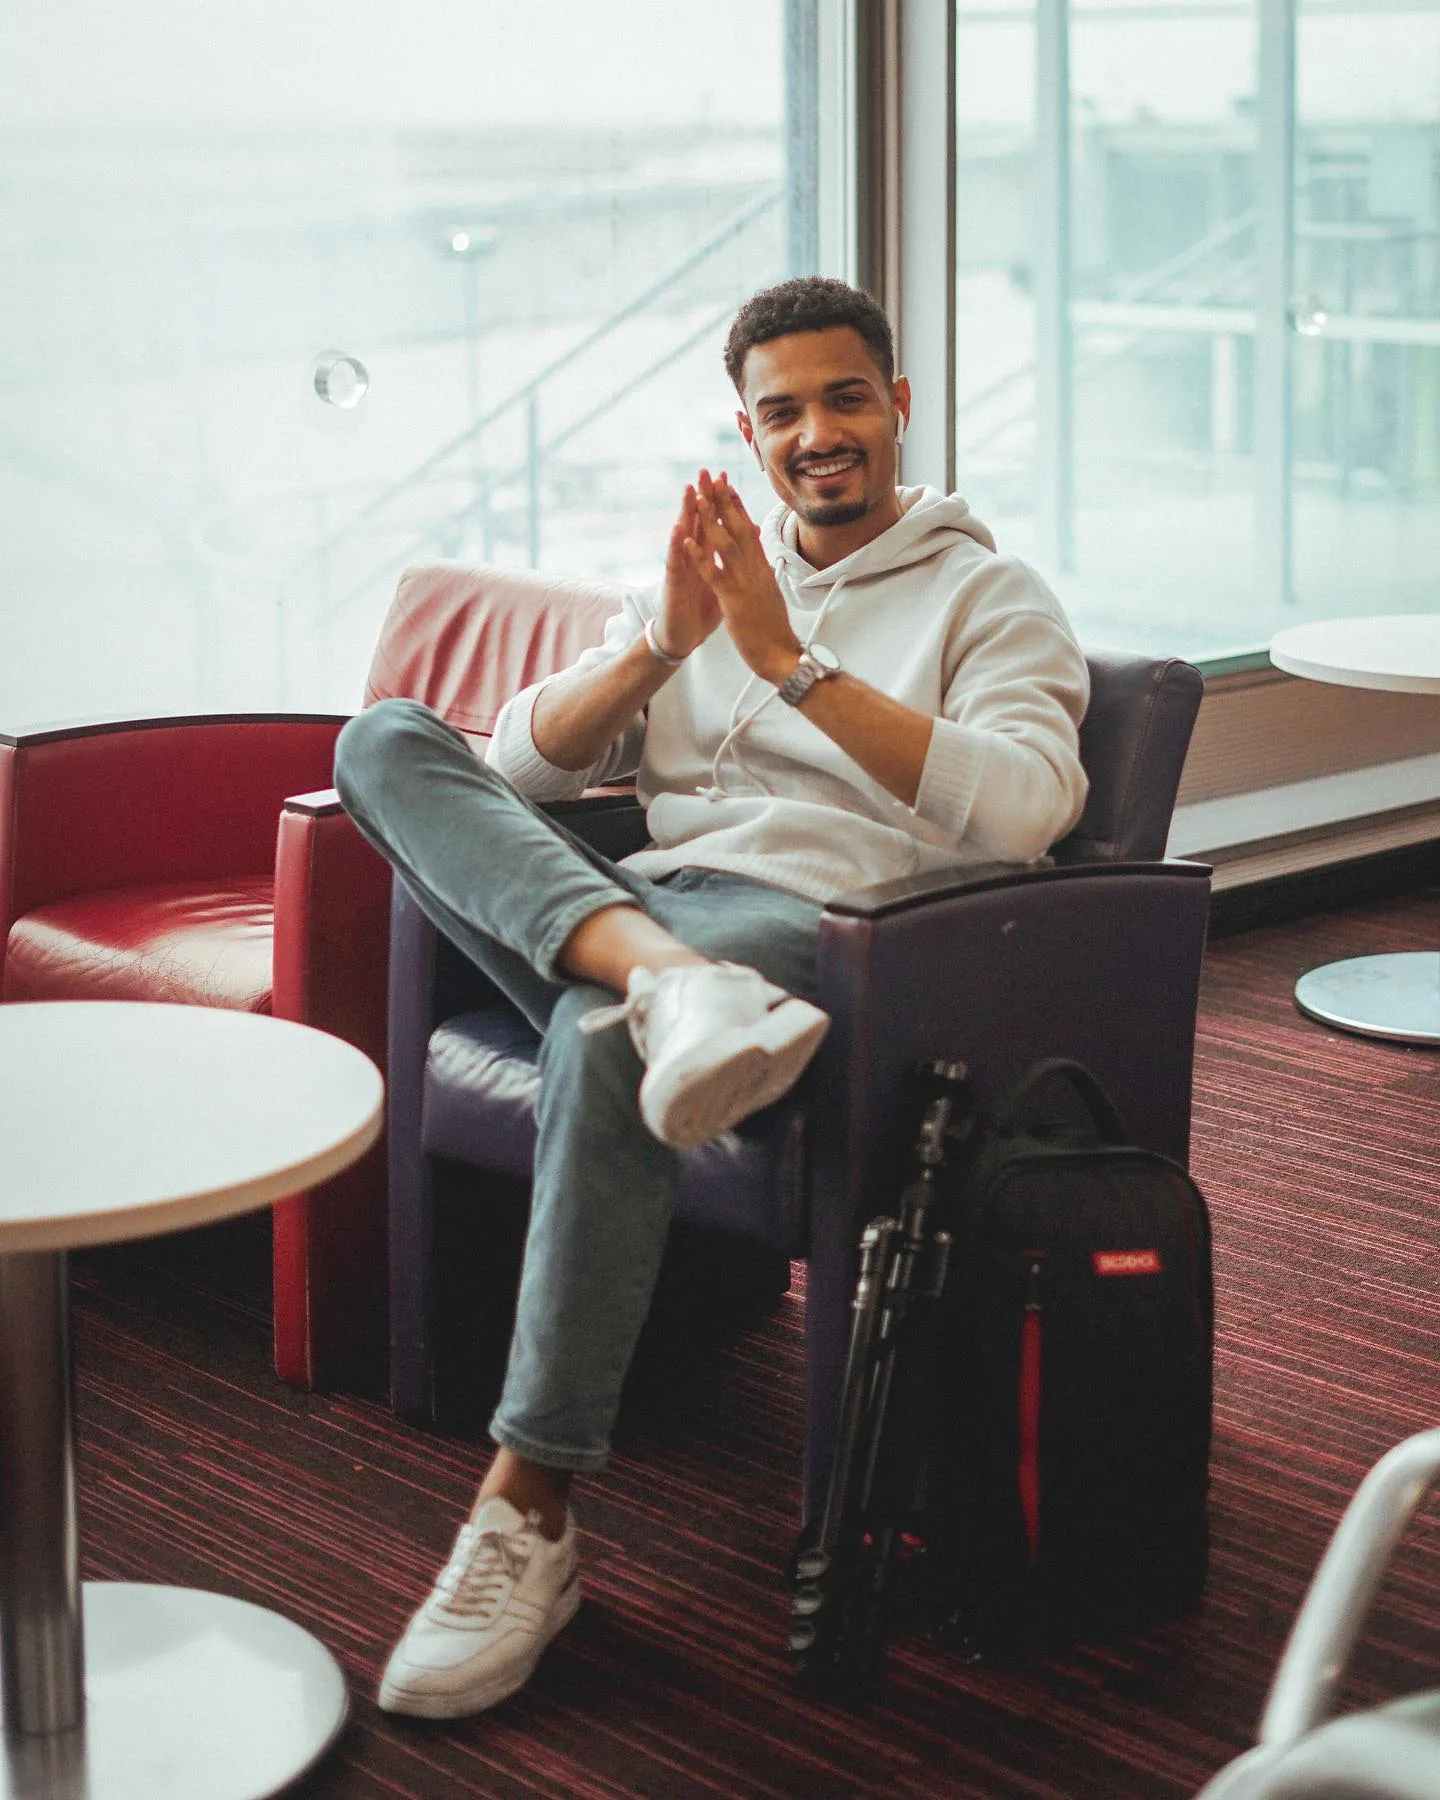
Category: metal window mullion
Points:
column 1274, row 276
column 877, row 148
column 1054, row 346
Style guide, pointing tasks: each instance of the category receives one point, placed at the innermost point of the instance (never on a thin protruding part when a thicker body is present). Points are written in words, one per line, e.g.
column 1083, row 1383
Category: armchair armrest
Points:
column 1002, row 964
column 332, row 923
column 331, row 957
column 122, row 803
column 50, row 730
column 883, row 898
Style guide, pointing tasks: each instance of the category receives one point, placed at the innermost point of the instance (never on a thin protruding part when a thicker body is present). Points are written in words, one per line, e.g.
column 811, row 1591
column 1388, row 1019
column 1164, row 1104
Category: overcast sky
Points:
column 463, row 63
column 387, row 62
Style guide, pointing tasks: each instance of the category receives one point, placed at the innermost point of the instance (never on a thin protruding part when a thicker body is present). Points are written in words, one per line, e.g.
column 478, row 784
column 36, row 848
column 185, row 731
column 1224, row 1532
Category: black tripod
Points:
column 844, row 1570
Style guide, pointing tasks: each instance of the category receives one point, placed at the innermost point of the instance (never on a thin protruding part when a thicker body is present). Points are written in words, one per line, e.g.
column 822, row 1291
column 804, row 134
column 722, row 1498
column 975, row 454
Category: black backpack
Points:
column 1070, row 1387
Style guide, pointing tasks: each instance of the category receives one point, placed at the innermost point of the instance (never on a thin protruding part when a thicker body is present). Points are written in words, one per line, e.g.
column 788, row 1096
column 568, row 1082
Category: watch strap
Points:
column 798, row 683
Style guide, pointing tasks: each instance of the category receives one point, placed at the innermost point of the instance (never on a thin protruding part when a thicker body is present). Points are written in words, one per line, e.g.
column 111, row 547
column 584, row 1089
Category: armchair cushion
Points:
column 96, row 808
column 1133, row 740
column 463, row 640
column 481, row 1081
column 199, row 944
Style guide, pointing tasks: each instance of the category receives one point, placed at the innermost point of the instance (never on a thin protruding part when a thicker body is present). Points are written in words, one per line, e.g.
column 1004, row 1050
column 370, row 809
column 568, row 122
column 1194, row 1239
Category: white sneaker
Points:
column 719, row 1042
column 496, row 1604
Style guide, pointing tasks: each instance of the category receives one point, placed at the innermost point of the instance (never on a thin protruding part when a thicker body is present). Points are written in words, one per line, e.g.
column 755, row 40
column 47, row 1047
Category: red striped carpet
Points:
column 1318, row 1153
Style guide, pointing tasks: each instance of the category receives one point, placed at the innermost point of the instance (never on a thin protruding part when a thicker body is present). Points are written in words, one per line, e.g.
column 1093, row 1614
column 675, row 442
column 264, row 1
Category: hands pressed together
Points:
column 717, row 573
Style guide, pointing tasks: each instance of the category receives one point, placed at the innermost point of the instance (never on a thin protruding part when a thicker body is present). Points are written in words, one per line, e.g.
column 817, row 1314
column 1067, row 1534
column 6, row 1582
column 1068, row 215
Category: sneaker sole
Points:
column 460, row 1703
column 697, row 1104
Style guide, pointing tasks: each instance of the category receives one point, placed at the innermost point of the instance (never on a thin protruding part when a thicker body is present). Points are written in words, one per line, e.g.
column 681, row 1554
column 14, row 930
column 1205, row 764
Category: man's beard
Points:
column 830, row 512
column 838, row 512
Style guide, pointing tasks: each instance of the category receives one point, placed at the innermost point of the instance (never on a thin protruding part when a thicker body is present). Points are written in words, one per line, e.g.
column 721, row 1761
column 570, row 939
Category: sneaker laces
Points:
column 634, row 1009
column 635, row 1005
column 483, row 1567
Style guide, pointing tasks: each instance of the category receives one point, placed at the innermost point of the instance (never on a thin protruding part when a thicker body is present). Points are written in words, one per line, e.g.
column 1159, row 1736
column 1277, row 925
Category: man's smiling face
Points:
column 823, row 416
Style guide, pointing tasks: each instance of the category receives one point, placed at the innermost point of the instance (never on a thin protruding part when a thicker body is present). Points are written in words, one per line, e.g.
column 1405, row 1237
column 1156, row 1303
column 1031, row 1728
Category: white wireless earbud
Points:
column 899, row 428
column 758, row 457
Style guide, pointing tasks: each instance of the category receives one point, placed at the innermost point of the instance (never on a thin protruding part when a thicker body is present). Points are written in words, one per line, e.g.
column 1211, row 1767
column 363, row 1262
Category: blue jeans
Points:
column 508, row 886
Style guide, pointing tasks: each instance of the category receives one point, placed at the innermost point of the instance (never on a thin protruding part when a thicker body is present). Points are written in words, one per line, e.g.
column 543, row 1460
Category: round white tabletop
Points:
column 1399, row 652
column 1395, row 996
column 119, row 1120
column 122, row 1120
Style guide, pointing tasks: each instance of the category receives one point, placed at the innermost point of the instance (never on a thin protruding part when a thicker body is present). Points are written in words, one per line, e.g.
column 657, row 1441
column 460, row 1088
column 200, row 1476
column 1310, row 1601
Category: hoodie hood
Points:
column 930, row 524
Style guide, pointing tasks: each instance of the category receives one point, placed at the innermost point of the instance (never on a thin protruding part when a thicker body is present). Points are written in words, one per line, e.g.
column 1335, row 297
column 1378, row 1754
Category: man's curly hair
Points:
column 808, row 303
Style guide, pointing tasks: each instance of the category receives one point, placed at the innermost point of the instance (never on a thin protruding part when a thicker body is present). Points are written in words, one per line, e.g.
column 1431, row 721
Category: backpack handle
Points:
column 1107, row 1121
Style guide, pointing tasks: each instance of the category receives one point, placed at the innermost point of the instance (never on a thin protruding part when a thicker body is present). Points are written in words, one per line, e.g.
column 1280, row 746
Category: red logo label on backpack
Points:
column 1126, row 1262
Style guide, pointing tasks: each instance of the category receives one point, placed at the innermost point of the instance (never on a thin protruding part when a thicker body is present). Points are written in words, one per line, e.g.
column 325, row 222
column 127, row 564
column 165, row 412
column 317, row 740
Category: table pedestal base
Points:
column 1395, row 997
column 187, row 1694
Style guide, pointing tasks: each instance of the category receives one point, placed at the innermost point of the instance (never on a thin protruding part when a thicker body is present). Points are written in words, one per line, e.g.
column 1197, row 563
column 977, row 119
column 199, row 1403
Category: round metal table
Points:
column 1395, row 996
column 119, row 1121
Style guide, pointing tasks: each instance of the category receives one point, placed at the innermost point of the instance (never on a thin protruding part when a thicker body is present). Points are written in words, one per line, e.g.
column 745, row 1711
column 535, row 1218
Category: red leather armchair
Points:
column 140, row 860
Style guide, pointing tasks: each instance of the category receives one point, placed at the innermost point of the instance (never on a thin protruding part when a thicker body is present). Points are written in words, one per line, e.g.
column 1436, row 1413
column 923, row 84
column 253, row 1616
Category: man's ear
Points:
column 900, row 397
column 747, row 431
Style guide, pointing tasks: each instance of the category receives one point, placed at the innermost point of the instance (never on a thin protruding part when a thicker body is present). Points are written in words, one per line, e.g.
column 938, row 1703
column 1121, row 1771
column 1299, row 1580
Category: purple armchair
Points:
column 1096, row 957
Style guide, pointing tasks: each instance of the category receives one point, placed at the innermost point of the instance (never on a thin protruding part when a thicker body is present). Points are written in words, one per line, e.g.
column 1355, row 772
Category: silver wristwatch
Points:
column 816, row 663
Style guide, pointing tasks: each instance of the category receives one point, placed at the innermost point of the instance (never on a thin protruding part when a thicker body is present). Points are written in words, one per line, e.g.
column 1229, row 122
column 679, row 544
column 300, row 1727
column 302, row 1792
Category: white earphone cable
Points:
column 715, row 791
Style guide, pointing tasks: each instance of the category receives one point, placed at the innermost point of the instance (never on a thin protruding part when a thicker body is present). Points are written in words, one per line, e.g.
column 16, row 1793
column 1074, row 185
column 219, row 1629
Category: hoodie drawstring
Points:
column 715, row 791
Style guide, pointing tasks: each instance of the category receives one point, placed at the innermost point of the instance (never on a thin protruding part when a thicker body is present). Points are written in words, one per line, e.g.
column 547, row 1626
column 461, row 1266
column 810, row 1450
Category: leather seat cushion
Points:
column 481, row 1081
column 201, row 945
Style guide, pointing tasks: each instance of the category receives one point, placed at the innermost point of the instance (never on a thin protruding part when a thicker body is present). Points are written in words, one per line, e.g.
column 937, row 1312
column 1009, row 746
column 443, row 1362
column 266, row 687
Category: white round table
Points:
column 120, row 1121
column 1395, row 996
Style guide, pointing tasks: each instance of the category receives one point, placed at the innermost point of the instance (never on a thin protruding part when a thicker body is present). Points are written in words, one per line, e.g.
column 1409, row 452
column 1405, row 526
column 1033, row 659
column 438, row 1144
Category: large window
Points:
column 295, row 294
column 1198, row 306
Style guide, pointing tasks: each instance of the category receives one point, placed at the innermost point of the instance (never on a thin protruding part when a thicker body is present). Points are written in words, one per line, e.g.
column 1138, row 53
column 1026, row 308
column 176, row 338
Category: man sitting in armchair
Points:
column 857, row 690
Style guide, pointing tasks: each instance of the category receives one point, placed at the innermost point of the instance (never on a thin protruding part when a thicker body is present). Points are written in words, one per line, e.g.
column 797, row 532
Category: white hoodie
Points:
column 734, row 779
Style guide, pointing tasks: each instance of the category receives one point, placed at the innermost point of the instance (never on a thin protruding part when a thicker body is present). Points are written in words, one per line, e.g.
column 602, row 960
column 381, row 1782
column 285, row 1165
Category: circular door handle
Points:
column 341, row 380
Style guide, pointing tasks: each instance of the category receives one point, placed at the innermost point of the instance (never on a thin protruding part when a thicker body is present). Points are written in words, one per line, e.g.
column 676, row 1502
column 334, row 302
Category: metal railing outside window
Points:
column 1198, row 275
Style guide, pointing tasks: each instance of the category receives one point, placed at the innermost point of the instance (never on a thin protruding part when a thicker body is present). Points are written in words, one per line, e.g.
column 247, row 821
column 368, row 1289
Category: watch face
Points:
column 827, row 659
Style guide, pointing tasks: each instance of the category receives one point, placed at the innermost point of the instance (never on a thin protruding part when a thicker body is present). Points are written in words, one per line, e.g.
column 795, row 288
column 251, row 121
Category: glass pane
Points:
column 297, row 295
column 1163, row 247
column 1157, row 318
column 1366, row 370
column 995, row 239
